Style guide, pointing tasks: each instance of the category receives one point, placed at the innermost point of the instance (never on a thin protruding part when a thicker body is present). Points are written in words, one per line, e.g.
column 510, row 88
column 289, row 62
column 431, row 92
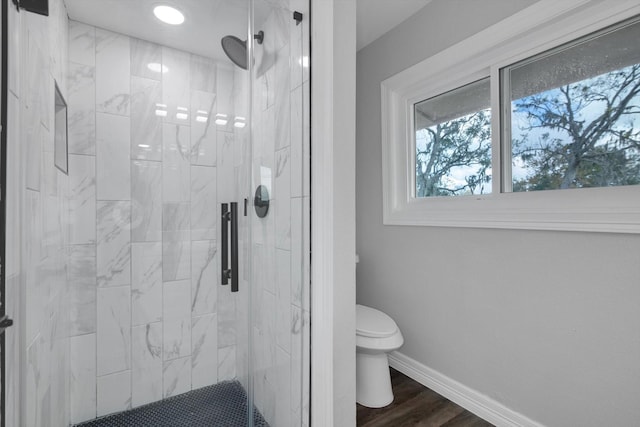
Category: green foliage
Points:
column 464, row 144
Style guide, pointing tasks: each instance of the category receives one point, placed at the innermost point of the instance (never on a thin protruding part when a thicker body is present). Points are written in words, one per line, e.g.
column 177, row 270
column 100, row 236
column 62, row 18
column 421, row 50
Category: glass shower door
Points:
column 279, row 213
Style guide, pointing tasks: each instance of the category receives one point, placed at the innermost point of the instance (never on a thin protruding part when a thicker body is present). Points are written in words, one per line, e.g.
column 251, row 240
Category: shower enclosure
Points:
column 116, row 268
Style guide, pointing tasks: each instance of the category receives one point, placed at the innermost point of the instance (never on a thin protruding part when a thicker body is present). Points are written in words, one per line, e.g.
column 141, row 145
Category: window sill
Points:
column 612, row 210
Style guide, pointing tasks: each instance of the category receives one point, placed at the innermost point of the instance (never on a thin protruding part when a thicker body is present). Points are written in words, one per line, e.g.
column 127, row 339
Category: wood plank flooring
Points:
column 416, row 405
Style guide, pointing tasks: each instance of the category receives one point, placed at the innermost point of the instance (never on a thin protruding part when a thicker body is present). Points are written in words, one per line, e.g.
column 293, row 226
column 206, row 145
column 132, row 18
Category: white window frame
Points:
column 538, row 28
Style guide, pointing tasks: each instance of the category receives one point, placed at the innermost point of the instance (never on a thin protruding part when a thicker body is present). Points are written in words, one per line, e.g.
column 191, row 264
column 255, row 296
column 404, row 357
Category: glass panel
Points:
column 280, row 152
column 453, row 142
column 575, row 114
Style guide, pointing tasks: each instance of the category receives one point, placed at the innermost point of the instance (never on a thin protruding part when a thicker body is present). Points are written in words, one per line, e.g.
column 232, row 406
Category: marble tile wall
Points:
column 37, row 224
column 145, row 166
column 281, row 251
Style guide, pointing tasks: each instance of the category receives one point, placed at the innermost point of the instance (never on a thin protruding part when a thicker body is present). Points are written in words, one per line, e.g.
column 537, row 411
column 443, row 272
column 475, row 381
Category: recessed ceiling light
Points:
column 168, row 14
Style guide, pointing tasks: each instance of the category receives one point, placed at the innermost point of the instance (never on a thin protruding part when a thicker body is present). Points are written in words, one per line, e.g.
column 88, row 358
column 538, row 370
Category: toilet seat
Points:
column 372, row 323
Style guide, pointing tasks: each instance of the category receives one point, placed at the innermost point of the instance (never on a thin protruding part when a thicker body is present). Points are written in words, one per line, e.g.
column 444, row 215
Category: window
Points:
column 495, row 131
column 575, row 114
column 453, row 142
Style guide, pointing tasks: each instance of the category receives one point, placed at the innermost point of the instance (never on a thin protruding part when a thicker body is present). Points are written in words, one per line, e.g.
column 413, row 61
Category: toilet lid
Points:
column 373, row 323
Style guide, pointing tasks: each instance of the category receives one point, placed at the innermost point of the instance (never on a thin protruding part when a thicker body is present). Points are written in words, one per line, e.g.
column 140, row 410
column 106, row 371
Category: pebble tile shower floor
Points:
column 220, row 405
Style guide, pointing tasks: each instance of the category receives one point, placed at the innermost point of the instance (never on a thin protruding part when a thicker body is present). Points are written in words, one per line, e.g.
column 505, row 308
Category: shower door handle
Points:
column 229, row 217
column 224, row 236
column 234, row 247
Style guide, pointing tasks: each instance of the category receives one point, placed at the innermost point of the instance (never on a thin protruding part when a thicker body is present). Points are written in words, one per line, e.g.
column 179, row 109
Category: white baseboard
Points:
column 473, row 401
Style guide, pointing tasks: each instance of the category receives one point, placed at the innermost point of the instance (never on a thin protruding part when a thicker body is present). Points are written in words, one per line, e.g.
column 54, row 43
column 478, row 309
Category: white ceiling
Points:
column 376, row 17
column 207, row 21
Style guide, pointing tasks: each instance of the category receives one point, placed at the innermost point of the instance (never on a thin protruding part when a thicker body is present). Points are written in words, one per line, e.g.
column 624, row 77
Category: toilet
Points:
column 376, row 335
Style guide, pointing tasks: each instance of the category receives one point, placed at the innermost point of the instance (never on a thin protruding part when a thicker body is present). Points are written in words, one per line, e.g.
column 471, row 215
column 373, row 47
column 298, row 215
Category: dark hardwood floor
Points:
column 416, row 405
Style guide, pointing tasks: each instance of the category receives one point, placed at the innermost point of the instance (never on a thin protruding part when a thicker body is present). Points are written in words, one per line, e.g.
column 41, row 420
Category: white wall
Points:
column 544, row 323
column 333, row 41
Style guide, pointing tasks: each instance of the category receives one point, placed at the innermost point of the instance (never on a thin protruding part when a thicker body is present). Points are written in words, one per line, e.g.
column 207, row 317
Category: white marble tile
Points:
column 176, row 303
column 37, row 291
column 203, row 128
column 224, row 92
column 306, row 365
column 296, row 122
column 114, row 243
column 112, row 72
column 277, row 24
column 83, row 377
column 267, row 312
column 16, row 43
column 176, row 86
column 204, row 212
column 39, row 81
column 82, row 199
column 34, row 133
column 203, row 73
column 146, row 201
column 282, row 100
column 176, row 248
column 114, row 393
column 297, row 60
column 176, row 163
column 144, row 53
column 176, row 338
column 306, row 140
column 227, row 363
column 59, row 43
column 82, row 109
column 297, row 248
column 204, row 277
column 283, row 386
column 112, row 157
column 227, row 320
column 264, row 152
column 282, row 199
column 204, row 353
column 114, row 330
column 52, row 212
column 296, row 368
column 37, row 386
column 15, row 211
column 146, row 283
column 12, row 378
column 264, row 261
column 82, row 43
column 224, row 162
column 60, row 379
column 146, row 124
column 283, row 299
column 306, row 253
column 82, row 289
column 146, row 373
column 266, row 83
column 177, row 377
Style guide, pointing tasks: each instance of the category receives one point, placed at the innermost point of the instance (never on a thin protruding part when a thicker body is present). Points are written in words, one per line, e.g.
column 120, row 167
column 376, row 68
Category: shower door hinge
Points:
column 298, row 17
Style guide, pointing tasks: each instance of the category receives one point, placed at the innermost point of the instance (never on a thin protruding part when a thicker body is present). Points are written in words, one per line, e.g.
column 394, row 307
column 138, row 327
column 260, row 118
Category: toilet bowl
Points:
column 376, row 335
